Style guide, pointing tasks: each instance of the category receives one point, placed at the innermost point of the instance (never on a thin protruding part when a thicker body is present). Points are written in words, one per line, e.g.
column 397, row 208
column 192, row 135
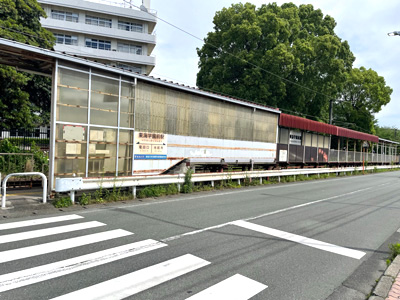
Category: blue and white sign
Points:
column 149, row 145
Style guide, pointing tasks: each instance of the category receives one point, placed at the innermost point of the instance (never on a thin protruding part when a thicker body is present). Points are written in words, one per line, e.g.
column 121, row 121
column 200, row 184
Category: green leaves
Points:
column 289, row 57
column 364, row 94
column 288, row 46
column 24, row 98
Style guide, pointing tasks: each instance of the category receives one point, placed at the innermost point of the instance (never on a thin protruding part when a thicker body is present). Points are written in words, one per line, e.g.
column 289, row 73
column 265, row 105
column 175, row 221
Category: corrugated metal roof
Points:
column 388, row 141
column 357, row 135
column 306, row 124
column 310, row 125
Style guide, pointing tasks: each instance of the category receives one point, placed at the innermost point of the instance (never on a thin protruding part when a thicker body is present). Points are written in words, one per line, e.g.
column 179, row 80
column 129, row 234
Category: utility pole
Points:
column 330, row 111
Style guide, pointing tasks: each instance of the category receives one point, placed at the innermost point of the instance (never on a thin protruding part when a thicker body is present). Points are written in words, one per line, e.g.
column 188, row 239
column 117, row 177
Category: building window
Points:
column 91, row 20
column 128, row 48
column 130, row 26
column 66, row 39
column 64, row 16
column 98, row 44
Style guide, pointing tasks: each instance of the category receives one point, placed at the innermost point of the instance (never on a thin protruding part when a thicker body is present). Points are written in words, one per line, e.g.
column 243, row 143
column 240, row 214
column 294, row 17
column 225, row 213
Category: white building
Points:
column 120, row 35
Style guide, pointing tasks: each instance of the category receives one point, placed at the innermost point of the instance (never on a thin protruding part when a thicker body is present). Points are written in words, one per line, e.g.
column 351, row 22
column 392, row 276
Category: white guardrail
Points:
column 77, row 183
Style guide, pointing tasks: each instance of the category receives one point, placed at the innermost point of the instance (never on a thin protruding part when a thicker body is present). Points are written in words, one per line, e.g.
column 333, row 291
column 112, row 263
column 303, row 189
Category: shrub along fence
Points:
column 15, row 160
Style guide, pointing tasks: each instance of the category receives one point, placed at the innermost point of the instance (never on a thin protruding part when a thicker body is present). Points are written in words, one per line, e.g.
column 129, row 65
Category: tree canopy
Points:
column 24, row 98
column 288, row 57
column 364, row 93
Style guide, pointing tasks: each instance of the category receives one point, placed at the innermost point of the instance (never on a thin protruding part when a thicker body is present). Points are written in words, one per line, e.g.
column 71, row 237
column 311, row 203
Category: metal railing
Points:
column 136, row 181
column 15, row 162
column 4, row 184
column 23, row 138
column 351, row 156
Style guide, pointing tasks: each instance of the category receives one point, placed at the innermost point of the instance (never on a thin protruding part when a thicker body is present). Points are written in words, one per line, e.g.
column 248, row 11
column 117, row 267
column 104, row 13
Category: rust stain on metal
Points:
column 218, row 147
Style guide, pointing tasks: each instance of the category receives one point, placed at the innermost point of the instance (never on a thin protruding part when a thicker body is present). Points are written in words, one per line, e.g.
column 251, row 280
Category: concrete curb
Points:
column 389, row 280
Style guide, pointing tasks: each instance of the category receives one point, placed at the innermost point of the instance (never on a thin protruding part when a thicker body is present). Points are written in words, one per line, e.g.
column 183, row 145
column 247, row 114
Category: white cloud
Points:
column 363, row 23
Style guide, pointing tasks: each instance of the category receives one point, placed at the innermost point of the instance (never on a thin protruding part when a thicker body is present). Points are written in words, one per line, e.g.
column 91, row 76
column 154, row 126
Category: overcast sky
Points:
column 363, row 23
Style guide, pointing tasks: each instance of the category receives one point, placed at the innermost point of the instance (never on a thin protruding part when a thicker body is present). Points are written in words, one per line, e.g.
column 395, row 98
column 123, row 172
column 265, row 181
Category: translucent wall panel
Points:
column 308, row 138
column 127, row 105
column 102, row 151
column 72, row 96
column 284, row 135
column 125, row 152
column 314, row 142
column 320, row 141
column 104, row 101
column 106, row 93
column 326, row 141
column 70, row 150
column 159, row 109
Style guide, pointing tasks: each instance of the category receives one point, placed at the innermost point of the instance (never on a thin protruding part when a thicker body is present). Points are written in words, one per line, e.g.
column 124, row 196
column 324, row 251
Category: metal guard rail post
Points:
column 3, row 198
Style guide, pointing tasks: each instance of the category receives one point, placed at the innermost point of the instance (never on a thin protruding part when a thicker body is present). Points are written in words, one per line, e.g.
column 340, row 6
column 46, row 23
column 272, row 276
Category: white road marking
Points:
column 237, row 287
column 301, row 239
column 38, row 222
column 31, row 251
column 175, row 237
column 48, row 231
column 30, row 276
column 398, row 230
column 133, row 283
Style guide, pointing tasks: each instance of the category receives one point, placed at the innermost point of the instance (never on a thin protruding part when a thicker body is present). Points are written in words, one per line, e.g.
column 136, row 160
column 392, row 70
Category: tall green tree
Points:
column 363, row 95
column 284, row 56
column 389, row 133
column 21, row 94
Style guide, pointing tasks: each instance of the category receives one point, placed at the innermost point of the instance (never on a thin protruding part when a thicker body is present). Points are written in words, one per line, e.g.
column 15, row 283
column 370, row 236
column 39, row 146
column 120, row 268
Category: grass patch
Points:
column 62, row 202
column 394, row 251
column 158, row 191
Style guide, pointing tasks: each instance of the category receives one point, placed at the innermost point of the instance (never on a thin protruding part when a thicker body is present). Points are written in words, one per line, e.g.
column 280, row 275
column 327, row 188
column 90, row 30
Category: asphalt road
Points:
column 323, row 239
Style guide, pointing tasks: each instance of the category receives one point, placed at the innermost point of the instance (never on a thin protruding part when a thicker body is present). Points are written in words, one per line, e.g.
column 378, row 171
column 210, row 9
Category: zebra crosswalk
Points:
column 237, row 287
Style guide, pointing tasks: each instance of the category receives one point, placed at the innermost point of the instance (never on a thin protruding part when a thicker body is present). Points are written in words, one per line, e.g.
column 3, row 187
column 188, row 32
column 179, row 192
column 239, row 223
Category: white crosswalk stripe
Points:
column 46, row 232
column 21, row 224
column 237, row 287
column 61, row 268
column 31, row 251
column 133, row 283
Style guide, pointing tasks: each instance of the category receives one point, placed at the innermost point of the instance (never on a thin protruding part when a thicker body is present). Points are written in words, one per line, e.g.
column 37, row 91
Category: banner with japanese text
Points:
column 149, row 145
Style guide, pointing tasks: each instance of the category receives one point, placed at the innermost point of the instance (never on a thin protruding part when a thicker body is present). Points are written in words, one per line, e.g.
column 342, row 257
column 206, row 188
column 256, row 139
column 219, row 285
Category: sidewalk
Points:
column 25, row 203
column 394, row 292
column 388, row 287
